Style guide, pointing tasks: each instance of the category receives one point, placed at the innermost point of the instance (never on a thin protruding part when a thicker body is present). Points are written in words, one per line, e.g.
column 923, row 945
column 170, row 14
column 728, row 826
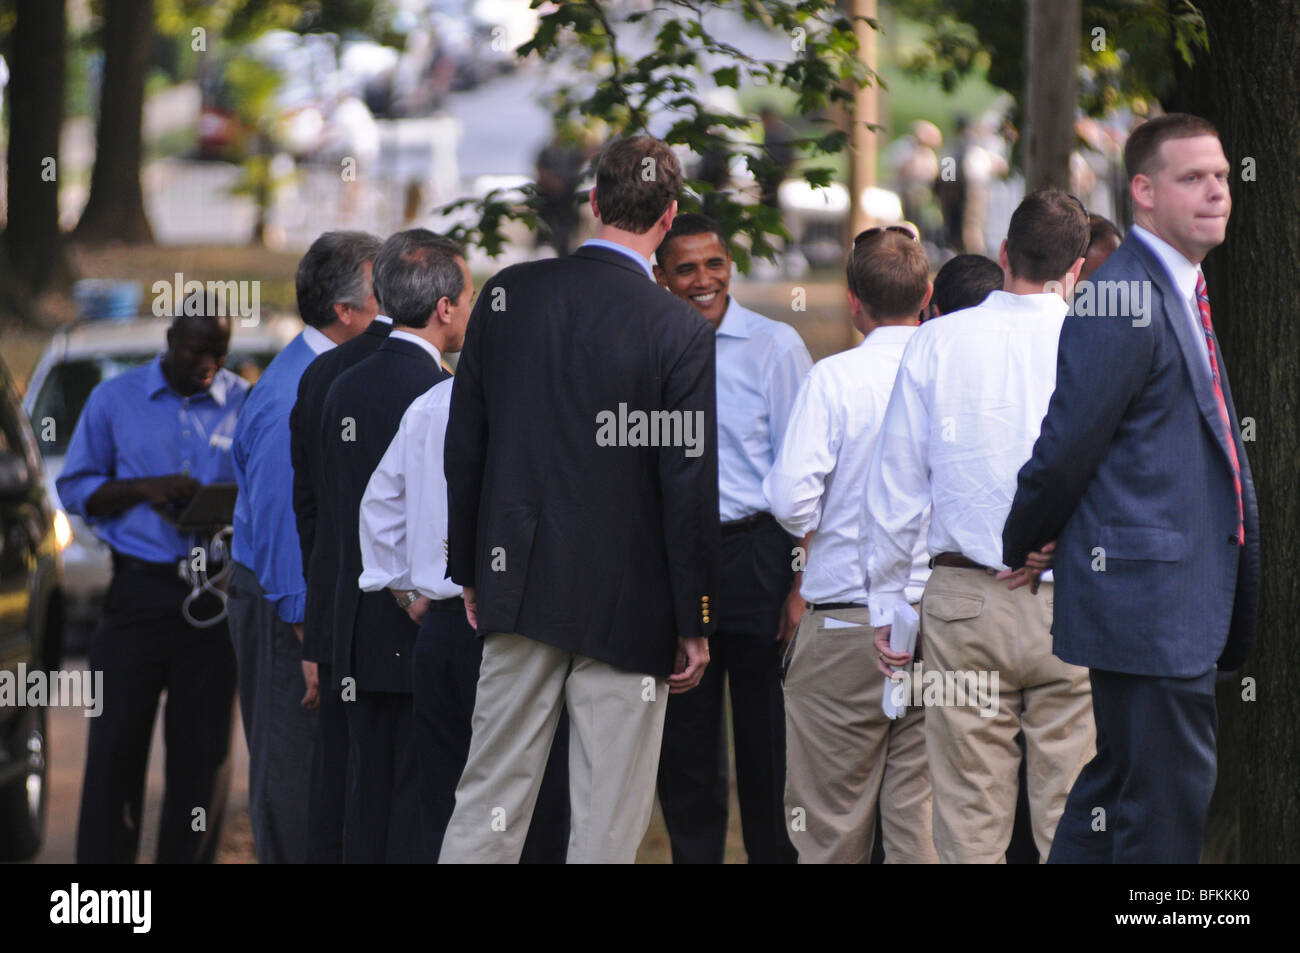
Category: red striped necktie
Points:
column 1203, row 301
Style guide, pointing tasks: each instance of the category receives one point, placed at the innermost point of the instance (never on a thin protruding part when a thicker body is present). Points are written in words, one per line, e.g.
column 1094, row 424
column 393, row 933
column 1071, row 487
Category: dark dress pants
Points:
column 144, row 646
column 448, row 654
column 1151, row 778
column 278, row 729
column 382, row 824
column 693, row 772
column 327, row 798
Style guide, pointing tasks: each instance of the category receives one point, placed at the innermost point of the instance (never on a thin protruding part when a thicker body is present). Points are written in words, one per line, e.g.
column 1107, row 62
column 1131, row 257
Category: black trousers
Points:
column 382, row 823
column 448, row 654
column 327, row 797
column 144, row 646
column 694, row 788
column 1151, row 778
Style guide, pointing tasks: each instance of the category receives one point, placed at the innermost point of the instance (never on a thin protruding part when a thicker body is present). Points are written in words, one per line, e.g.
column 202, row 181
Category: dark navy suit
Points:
column 1133, row 477
column 318, row 534
column 374, row 639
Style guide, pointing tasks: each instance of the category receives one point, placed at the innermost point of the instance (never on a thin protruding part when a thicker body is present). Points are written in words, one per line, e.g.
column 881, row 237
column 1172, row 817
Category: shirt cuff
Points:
column 292, row 608
column 883, row 605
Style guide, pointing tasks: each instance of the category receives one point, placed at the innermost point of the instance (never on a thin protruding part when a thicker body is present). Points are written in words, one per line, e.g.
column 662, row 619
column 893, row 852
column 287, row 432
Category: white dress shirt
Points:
column 820, row 474
column 404, row 509
column 316, row 340
column 969, row 400
column 760, row 365
column 1184, row 274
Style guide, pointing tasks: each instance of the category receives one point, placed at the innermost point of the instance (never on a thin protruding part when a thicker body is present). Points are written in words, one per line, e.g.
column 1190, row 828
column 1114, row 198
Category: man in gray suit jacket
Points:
column 1140, row 476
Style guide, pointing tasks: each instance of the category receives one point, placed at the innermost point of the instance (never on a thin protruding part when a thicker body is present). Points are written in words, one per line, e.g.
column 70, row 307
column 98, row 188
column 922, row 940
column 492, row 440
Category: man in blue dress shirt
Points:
column 150, row 437
column 760, row 365
column 268, row 594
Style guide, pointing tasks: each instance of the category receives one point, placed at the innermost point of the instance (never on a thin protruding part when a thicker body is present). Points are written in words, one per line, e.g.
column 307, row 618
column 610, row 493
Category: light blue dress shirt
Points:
column 134, row 425
column 760, row 365
column 266, row 533
column 621, row 249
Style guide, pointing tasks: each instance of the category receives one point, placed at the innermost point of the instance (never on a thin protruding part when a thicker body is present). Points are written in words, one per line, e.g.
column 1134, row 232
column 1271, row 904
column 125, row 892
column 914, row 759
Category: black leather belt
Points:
column 958, row 561
column 125, row 563
column 454, row 604
column 746, row 522
column 827, row 606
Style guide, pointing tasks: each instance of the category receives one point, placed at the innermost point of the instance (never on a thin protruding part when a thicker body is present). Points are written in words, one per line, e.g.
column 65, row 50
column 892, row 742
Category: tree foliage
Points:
column 1127, row 48
column 662, row 92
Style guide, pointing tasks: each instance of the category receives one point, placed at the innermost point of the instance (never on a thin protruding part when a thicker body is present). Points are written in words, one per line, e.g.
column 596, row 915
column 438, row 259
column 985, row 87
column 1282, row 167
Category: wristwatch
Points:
column 407, row 598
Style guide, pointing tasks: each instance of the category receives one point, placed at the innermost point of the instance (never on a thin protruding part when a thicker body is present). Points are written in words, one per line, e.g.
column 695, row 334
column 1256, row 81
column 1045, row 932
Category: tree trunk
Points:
column 1051, row 91
column 32, row 238
column 115, row 208
column 1248, row 85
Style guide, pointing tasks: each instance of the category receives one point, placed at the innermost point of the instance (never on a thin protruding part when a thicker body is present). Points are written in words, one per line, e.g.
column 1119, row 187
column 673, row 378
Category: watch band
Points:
column 406, row 600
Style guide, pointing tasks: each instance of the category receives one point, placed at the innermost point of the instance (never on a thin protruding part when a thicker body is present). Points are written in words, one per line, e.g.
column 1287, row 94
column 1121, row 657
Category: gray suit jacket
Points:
column 1132, row 476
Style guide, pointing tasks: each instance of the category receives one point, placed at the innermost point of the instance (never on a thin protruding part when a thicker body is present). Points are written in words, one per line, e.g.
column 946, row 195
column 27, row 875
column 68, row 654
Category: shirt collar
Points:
column 622, row 249
column 400, row 335
column 733, row 323
column 316, row 340
column 383, row 317
column 1045, row 302
column 156, row 381
column 1182, row 271
column 887, row 333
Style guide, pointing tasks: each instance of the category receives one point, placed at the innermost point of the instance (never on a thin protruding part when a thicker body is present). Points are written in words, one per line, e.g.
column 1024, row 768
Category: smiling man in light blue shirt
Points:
column 760, row 365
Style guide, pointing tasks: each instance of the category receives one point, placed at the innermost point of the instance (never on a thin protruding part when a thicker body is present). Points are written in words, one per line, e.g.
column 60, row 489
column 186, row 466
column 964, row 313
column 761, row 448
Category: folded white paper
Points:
column 829, row 623
column 902, row 638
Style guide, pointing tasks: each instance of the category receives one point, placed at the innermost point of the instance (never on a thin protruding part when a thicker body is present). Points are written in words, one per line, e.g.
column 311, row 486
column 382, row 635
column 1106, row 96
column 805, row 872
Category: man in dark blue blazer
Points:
column 1140, row 477
column 424, row 286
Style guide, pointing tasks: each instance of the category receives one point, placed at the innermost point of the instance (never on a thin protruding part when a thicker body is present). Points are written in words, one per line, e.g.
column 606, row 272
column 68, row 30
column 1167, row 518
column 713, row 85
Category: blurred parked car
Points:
column 75, row 361
column 32, row 534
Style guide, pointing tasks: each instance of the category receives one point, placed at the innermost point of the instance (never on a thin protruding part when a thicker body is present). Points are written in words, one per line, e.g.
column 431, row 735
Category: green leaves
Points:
column 682, row 60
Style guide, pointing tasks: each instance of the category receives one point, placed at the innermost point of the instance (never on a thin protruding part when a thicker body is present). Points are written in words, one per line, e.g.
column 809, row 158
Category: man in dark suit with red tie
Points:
column 1140, row 477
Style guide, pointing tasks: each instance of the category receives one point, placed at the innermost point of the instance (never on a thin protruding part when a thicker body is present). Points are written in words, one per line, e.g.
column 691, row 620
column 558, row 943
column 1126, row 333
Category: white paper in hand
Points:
column 902, row 638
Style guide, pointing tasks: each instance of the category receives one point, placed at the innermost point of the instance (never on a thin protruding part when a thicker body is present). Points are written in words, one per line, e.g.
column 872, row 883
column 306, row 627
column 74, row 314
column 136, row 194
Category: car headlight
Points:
column 62, row 530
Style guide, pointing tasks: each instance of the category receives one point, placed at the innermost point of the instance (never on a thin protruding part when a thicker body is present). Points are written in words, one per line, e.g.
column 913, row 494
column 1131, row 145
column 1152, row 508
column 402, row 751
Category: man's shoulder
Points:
column 777, row 334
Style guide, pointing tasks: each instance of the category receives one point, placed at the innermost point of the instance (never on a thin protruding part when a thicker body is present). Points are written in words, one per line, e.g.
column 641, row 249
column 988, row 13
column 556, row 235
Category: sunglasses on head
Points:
column 867, row 233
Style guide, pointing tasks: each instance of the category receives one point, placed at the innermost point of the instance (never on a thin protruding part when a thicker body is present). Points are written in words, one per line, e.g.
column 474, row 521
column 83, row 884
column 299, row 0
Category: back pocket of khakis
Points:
column 951, row 606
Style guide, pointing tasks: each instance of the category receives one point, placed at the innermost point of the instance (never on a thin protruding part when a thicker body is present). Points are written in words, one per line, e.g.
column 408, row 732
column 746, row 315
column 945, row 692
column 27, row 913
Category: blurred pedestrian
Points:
column 268, row 593
column 1104, row 239
column 146, row 442
column 778, row 156
column 760, row 364
column 963, row 282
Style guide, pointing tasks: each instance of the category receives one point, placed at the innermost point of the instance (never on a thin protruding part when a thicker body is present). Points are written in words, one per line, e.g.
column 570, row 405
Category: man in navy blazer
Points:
column 1140, row 477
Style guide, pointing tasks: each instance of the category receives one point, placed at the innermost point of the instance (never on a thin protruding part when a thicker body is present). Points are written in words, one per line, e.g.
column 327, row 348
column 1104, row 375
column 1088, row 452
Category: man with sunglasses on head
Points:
column 845, row 757
column 965, row 411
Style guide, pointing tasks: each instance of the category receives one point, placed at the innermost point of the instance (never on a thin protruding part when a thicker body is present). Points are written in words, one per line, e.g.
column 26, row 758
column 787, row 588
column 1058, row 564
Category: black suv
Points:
column 31, row 625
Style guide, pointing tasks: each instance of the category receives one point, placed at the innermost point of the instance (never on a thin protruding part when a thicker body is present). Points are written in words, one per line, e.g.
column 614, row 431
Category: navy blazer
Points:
column 1132, row 476
column 373, row 637
column 310, row 483
column 606, row 551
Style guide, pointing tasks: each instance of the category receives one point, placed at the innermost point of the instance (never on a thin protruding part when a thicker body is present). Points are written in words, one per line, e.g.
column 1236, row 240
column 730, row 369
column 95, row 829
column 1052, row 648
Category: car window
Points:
column 66, row 388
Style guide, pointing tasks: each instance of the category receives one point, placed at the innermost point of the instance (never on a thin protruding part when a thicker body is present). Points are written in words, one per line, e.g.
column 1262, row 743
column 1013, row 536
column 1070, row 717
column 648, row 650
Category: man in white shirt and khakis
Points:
column 844, row 756
column 966, row 409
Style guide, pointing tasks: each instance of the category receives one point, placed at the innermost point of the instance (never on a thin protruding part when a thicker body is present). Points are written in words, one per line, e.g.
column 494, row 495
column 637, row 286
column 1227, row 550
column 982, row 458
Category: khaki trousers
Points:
column 844, row 757
column 971, row 622
column 616, row 722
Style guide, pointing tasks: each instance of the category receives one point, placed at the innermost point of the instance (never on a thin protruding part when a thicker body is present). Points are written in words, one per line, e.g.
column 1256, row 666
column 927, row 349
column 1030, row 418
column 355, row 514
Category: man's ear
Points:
column 1142, row 189
column 666, row 220
column 661, row 276
column 929, row 293
column 1073, row 274
column 342, row 314
column 591, row 200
